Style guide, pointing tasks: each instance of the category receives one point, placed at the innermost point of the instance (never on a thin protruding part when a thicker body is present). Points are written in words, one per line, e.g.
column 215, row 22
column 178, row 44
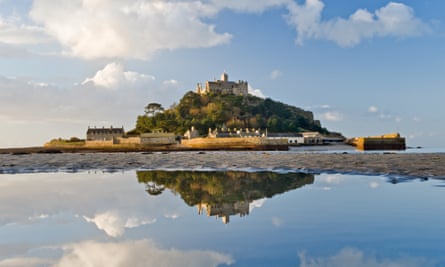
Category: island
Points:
column 221, row 115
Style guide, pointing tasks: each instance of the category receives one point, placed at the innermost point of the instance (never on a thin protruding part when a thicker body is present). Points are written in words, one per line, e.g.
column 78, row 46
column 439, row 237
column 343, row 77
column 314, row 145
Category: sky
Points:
column 364, row 67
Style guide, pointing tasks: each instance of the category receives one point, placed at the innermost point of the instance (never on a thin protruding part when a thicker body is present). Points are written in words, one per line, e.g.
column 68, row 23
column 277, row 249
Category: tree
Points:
column 210, row 111
column 153, row 108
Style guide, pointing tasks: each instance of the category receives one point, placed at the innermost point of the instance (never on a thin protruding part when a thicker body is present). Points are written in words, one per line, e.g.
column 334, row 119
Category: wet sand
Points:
column 428, row 165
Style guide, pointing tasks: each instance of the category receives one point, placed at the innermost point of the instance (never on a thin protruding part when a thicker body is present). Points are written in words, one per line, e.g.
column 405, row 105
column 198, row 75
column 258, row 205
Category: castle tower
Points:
column 224, row 77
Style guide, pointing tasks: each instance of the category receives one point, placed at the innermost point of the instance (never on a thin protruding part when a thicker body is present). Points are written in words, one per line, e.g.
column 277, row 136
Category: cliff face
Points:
column 210, row 111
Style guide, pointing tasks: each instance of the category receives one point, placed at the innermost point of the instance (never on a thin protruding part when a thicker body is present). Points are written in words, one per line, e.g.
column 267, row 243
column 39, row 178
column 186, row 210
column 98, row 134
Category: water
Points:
column 182, row 218
column 340, row 148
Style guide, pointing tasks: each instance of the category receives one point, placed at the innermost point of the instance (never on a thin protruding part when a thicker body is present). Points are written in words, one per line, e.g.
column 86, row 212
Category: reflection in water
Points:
column 397, row 180
column 356, row 257
column 222, row 194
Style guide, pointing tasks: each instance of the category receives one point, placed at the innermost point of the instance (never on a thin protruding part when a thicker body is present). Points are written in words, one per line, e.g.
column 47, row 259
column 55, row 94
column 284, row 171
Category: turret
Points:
column 224, row 77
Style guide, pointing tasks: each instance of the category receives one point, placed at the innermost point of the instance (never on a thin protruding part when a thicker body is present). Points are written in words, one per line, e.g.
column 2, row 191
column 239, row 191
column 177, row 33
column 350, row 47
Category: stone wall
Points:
column 129, row 140
column 158, row 139
column 232, row 141
column 107, row 143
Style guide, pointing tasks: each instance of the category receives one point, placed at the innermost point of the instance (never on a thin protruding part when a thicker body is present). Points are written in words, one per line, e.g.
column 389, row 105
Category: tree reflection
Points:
column 222, row 194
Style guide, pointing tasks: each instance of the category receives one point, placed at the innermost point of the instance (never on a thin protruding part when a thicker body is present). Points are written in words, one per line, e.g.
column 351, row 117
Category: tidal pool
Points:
column 231, row 218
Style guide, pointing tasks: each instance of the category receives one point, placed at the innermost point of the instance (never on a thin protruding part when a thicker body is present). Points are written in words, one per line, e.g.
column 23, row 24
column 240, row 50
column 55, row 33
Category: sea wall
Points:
column 233, row 142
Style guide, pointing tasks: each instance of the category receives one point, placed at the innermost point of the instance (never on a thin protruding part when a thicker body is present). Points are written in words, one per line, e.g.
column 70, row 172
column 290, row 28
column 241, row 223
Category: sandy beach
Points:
column 427, row 165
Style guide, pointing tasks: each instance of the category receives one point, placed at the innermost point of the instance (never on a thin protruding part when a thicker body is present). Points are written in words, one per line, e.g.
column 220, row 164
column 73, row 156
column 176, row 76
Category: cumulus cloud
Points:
column 356, row 257
column 129, row 253
column 138, row 29
column 255, row 92
column 394, row 19
column 29, row 262
column 327, row 112
column 111, row 96
column 136, row 253
column 14, row 31
column 332, row 116
column 114, row 224
column 108, row 29
column 257, row 203
column 112, row 76
column 55, row 199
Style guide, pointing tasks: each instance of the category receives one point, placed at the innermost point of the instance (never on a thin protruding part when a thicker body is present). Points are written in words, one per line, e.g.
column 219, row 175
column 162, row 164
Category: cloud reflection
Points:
column 356, row 257
column 129, row 253
column 136, row 253
column 114, row 224
column 55, row 198
column 29, row 262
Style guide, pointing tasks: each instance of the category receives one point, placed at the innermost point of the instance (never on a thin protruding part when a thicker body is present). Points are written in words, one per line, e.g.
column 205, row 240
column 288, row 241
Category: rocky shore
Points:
column 428, row 165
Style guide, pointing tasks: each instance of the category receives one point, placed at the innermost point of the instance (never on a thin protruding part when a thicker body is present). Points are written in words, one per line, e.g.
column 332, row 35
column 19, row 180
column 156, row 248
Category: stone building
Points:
column 224, row 132
column 225, row 210
column 191, row 133
column 104, row 134
column 223, row 86
column 158, row 137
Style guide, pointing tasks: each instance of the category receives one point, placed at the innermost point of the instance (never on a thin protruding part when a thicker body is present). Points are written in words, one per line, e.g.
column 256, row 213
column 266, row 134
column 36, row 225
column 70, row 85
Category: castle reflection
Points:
column 222, row 194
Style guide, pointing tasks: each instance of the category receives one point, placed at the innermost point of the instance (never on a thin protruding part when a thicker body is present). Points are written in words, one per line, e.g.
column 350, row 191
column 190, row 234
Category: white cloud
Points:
column 333, row 179
column 138, row 29
column 257, row 6
column 112, row 76
column 332, row 116
column 257, row 203
column 14, row 31
column 374, row 185
column 53, row 198
column 172, row 216
column 54, row 112
column 129, row 253
column 373, row 109
column 136, row 253
column 29, row 262
column 255, row 92
column 109, row 29
column 327, row 112
column 275, row 74
column 172, row 83
column 355, row 257
column 394, row 19
column 113, row 224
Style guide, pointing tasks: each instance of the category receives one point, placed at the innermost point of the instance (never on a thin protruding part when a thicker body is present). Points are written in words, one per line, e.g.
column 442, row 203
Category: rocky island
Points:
column 221, row 115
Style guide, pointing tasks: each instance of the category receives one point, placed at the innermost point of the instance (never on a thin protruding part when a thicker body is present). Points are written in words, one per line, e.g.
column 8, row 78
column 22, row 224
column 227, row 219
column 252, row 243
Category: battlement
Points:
column 223, row 86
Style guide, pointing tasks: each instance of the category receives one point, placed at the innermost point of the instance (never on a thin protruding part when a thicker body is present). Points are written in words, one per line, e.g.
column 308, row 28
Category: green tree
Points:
column 210, row 111
column 153, row 108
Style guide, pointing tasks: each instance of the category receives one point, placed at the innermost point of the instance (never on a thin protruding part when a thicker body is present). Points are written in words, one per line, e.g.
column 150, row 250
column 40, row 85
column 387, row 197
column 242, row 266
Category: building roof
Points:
column 104, row 130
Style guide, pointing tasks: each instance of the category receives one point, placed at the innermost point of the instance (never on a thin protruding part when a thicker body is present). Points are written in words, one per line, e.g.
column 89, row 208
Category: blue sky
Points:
column 363, row 67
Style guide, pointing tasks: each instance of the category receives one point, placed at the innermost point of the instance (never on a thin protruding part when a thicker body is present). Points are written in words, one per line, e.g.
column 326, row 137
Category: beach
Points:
column 421, row 165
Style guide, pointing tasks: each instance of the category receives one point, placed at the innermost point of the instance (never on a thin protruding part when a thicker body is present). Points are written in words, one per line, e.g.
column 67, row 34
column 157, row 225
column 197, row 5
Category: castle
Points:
column 223, row 86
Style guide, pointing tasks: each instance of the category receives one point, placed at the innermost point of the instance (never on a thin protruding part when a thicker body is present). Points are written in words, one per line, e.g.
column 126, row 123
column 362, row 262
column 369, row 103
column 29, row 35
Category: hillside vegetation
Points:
column 210, row 111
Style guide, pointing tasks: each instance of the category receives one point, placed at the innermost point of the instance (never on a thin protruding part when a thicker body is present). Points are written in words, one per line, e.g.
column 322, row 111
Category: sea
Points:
column 221, row 218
